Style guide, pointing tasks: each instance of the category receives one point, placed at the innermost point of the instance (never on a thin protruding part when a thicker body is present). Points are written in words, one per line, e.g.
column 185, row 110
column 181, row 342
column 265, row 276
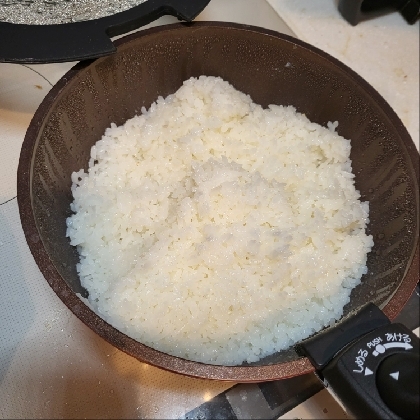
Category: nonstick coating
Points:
column 272, row 68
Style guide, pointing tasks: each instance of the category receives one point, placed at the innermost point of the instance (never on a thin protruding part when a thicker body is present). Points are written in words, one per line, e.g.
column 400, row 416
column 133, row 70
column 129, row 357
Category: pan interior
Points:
column 43, row 12
column 272, row 69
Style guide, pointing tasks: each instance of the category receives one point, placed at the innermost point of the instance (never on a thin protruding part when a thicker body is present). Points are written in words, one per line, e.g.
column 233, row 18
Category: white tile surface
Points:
column 51, row 365
column 249, row 12
column 52, row 72
column 16, row 82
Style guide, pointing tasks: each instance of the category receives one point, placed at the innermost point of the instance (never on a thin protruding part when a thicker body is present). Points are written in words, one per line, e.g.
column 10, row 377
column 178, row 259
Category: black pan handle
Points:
column 370, row 365
column 33, row 44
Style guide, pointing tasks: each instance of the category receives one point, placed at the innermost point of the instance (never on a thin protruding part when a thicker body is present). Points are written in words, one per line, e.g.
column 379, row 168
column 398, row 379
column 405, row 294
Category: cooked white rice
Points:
column 215, row 230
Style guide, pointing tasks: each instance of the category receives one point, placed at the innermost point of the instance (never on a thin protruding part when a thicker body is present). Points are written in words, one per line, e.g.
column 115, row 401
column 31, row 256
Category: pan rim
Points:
column 120, row 340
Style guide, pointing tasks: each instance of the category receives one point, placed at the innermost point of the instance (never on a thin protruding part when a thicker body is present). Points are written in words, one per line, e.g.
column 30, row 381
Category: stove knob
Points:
column 397, row 380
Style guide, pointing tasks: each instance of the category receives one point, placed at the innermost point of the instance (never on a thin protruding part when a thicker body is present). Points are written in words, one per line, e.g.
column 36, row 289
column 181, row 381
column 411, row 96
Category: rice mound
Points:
column 215, row 230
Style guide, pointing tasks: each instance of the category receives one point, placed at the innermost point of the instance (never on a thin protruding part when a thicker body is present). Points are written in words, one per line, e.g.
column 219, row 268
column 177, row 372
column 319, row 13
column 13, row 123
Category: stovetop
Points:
column 53, row 366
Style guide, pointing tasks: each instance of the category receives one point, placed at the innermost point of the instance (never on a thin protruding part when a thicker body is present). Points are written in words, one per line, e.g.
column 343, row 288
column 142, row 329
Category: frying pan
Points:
column 30, row 44
column 272, row 68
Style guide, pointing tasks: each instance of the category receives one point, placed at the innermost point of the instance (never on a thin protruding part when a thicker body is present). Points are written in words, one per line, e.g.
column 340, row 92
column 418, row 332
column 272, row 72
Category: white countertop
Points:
column 52, row 365
column 384, row 51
